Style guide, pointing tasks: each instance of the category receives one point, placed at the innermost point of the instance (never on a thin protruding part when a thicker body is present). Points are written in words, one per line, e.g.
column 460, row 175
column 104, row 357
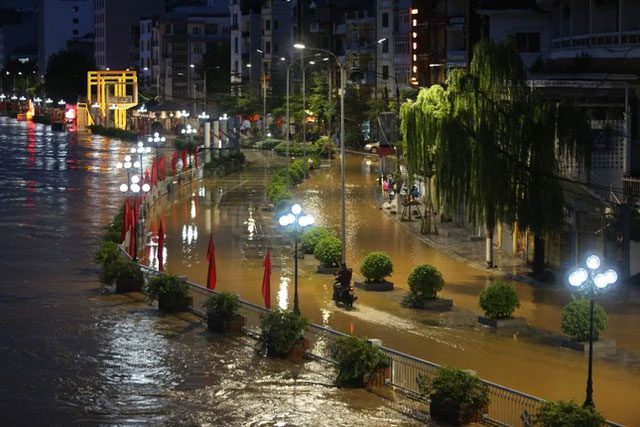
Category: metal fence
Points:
column 507, row 407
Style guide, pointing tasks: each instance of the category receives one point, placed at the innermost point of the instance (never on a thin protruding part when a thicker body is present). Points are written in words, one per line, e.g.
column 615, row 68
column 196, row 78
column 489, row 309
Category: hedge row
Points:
column 114, row 132
column 277, row 189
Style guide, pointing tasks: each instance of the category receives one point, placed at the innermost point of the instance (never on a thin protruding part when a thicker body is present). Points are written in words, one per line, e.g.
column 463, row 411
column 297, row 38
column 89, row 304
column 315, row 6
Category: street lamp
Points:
column 134, row 190
column 295, row 222
column 343, row 86
column 590, row 283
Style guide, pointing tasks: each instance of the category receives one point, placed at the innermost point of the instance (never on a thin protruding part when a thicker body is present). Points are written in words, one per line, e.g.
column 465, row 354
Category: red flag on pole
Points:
column 184, row 159
column 125, row 220
column 174, row 160
column 161, row 246
column 211, row 256
column 132, row 226
column 162, row 173
column 266, row 280
column 146, row 176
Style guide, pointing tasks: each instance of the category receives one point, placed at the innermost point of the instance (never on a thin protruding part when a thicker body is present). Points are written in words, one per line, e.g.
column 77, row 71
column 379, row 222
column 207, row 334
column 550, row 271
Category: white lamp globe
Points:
column 302, row 221
column 124, row 188
column 150, row 139
column 127, row 158
column 140, row 150
column 310, row 220
column 583, row 274
column 135, row 188
column 140, row 144
column 283, row 221
column 136, row 164
column 183, row 131
column 611, row 275
column 146, row 187
column 593, row 262
column 601, row 281
column 578, row 277
column 135, row 179
column 163, row 139
column 119, row 165
column 127, row 165
column 291, row 218
column 296, row 209
column 148, row 150
column 133, row 150
column 156, row 134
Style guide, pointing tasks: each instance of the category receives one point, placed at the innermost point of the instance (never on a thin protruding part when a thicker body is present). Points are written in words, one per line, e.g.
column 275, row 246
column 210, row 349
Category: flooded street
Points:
column 231, row 209
column 72, row 354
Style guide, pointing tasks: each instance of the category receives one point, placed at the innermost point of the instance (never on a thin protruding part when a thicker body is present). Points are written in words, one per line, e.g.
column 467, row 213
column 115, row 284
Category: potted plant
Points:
column 561, row 414
column 170, row 291
column 499, row 300
column 575, row 323
column 312, row 236
column 130, row 277
column 360, row 363
column 456, row 397
column 109, row 257
column 282, row 335
column 222, row 313
column 375, row 267
column 328, row 251
column 425, row 281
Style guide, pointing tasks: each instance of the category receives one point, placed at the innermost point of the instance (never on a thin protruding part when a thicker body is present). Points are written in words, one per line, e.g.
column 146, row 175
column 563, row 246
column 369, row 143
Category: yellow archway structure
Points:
column 111, row 93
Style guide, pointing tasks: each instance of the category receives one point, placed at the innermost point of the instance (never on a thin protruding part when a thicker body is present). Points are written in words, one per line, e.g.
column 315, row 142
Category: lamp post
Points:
column 294, row 222
column 343, row 85
column 134, row 190
column 590, row 283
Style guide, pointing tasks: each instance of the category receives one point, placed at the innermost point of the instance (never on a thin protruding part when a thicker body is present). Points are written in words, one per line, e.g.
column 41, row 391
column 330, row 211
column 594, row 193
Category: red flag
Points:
column 161, row 246
column 266, row 280
column 125, row 220
column 211, row 256
column 132, row 225
column 154, row 172
column 184, row 159
column 174, row 160
column 146, row 176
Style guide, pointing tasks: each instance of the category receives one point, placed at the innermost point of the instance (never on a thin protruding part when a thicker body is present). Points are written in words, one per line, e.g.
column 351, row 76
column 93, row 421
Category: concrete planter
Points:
column 122, row 288
column 298, row 351
column 382, row 286
column 377, row 378
column 226, row 326
column 455, row 414
column 326, row 270
column 168, row 307
column 603, row 347
column 509, row 323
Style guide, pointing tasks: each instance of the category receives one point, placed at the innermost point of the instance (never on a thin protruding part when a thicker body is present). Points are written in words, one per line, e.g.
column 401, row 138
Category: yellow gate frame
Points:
column 115, row 91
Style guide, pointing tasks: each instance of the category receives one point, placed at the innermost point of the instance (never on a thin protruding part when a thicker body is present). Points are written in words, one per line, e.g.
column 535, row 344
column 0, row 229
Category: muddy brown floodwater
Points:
column 231, row 209
column 71, row 354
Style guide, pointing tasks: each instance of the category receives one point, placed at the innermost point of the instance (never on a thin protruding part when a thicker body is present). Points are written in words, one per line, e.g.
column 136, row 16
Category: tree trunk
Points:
column 538, row 255
column 489, row 247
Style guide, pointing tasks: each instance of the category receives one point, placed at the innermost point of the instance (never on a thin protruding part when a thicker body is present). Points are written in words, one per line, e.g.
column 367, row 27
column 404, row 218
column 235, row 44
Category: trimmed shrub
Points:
column 376, row 266
column 567, row 414
column 107, row 253
column 280, row 330
column 325, row 146
column 223, row 304
column 425, row 281
column 499, row 300
column 170, row 288
column 328, row 251
column 130, row 277
column 277, row 192
column 114, row 229
column 312, row 236
column 111, row 270
column 356, row 358
column 268, row 144
column 114, row 132
column 575, row 319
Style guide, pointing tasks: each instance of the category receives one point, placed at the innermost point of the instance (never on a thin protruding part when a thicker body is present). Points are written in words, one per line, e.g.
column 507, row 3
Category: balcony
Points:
column 624, row 44
column 631, row 186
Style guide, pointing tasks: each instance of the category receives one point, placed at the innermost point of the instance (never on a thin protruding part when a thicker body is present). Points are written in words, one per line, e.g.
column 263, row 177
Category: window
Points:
column 235, row 19
column 75, row 20
column 75, row 32
column 385, row 20
column 385, row 46
column 267, row 25
column 75, row 8
column 235, row 66
column 198, row 48
column 235, row 45
column 528, row 42
column 267, row 47
column 211, row 29
column 195, row 31
column 275, row 24
column 385, row 72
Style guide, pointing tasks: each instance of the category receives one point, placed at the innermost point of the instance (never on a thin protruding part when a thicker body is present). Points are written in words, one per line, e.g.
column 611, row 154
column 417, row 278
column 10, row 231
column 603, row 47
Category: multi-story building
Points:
column 393, row 61
column 59, row 21
column 113, row 21
column 149, row 55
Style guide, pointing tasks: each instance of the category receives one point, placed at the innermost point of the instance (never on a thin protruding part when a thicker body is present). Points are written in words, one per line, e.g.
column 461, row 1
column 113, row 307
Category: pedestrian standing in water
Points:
column 385, row 188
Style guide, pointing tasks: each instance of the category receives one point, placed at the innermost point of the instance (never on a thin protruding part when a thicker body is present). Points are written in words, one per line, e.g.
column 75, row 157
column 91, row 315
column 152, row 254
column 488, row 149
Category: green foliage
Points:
column 181, row 143
column 297, row 149
column 357, row 357
column 222, row 304
column 277, row 192
column 567, row 414
column 107, row 253
column 232, row 160
column 328, row 251
column 111, row 270
column 499, row 300
column 312, row 236
column 575, row 319
column 114, row 229
column 376, row 266
column 66, row 75
column 325, row 146
column 130, row 275
column 172, row 289
column 123, row 134
column 280, row 330
column 425, row 281
column 268, row 144
column 453, row 387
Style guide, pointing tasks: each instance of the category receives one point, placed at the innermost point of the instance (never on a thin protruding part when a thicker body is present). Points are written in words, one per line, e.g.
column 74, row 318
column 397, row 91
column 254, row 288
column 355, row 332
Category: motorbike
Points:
column 344, row 297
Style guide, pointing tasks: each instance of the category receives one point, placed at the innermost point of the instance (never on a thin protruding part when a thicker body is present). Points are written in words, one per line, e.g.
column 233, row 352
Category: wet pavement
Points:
column 72, row 354
column 231, row 209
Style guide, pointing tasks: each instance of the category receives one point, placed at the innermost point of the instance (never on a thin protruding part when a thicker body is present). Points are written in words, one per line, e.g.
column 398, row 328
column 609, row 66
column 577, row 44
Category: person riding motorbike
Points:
column 343, row 282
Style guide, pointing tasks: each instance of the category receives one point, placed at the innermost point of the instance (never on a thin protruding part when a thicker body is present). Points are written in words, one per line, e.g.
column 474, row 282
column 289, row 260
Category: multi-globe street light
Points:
column 343, row 85
column 134, row 190
column 590, row 282
column 295, row 222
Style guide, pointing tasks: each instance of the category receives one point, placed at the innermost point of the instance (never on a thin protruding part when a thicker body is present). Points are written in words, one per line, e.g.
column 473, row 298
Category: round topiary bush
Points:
column 280, row 330
column 376, row 266
column 425, row 281
column 575, row 319
column 169, row 290
column 499, row 300
column 311, row 237
column 355, row 358
column 328, row 251
column 562, row 414
column 107, row 253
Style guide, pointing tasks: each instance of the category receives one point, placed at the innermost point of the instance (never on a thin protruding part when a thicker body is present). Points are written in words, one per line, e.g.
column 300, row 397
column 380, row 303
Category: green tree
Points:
column 66, row 76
